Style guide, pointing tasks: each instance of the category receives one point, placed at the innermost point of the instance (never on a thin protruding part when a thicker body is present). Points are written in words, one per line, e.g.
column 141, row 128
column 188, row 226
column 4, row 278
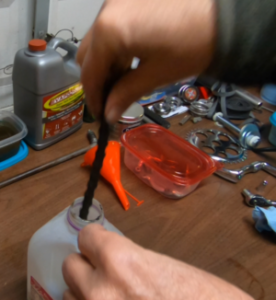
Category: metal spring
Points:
column 200, row 108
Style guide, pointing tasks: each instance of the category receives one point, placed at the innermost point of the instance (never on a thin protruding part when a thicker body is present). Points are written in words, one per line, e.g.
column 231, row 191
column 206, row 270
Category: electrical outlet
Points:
column 5, row 3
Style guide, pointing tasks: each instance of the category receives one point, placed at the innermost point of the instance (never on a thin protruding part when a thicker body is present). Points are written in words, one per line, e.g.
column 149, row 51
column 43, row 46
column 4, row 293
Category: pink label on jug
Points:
column 37, row 291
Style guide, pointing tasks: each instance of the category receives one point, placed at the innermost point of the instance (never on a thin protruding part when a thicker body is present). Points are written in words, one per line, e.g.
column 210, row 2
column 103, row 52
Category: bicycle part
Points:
column 256, row 200
column 249, row 134
column 236, row 175
column 219, row 145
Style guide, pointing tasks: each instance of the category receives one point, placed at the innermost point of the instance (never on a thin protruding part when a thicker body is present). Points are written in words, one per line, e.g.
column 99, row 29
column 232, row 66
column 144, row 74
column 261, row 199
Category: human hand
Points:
column 111, row 267
column 173, row 40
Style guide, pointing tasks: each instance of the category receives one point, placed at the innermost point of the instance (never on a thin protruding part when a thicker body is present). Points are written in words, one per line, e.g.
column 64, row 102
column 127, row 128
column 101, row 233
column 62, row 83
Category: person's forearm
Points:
column 246, row 42
column 202, row 285
column 113, row 267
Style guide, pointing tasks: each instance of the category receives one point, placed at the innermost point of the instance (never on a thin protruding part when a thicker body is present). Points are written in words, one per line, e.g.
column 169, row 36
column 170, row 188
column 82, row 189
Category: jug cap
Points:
column 95, row 214
column 37, row 45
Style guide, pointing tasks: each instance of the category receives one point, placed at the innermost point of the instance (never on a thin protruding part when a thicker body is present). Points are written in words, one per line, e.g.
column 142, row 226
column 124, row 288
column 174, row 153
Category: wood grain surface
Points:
column 210, row 228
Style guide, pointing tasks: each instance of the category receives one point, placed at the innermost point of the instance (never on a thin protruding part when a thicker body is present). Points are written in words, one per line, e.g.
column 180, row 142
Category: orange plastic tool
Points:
column 135, row 199
column 111, row 169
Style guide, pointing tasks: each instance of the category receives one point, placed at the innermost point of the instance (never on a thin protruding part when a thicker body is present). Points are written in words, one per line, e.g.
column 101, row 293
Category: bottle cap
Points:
column 37, row 45
column 95, row 214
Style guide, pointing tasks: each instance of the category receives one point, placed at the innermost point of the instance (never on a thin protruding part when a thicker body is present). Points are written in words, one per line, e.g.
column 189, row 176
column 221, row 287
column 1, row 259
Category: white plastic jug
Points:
column 51, row 244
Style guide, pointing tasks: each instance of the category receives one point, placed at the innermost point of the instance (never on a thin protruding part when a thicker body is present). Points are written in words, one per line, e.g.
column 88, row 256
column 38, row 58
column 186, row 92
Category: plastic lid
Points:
column 37, row 45
column 95, row 214
column 169, row 154
column 21, row 154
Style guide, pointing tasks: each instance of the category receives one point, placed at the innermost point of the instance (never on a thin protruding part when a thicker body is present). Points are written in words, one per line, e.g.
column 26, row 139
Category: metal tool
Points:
column 256, row 200
column 248, row 96
column 93, row 142
column 249, row 134
column 185, row 120
column 236, row 175
column 219, row 145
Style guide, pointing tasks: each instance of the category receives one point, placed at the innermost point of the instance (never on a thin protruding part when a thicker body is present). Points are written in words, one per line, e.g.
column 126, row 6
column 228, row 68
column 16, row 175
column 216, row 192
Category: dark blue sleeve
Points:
column 246, row 42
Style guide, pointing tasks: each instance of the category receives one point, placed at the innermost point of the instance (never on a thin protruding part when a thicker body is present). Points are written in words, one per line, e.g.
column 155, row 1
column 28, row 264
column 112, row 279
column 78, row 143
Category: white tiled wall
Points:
column 77, row 15
column 16, row 23
column 16, row 19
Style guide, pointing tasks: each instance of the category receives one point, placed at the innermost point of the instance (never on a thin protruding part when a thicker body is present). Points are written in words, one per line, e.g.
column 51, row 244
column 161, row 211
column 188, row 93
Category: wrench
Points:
column 256, row 200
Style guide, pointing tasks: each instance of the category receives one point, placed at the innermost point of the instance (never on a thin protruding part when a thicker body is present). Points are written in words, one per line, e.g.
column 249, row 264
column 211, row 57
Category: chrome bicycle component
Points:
column 173, row 102
column 256, row 200
column 219, row 145
column 249, row 135
column 161, row 108
column 200, row 108
column 236, row 175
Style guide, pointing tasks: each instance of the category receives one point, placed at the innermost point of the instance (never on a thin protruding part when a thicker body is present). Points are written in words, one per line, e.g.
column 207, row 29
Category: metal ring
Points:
column 174, row 102
column 161, row 108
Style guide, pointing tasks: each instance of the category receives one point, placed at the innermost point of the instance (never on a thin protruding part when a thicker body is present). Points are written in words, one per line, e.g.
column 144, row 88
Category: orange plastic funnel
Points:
column 111, row 169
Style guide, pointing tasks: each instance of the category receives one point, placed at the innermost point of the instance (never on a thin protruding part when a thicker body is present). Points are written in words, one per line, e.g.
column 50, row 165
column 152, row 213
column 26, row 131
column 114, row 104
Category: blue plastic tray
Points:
column 21, row 154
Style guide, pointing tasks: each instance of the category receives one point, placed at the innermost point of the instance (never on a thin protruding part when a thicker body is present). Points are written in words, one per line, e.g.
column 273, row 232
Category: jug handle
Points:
column 60, row 43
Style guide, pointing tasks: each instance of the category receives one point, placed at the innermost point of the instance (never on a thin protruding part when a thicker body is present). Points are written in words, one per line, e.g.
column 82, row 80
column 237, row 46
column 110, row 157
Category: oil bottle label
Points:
column 37, row 291
column 62, row 110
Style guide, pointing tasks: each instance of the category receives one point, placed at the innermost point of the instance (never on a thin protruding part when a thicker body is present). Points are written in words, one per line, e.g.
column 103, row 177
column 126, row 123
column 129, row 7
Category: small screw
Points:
column 262, row 185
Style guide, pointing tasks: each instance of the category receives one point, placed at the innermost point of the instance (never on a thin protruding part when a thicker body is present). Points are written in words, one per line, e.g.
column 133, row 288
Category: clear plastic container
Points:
column 166, row 162
column 12, row 131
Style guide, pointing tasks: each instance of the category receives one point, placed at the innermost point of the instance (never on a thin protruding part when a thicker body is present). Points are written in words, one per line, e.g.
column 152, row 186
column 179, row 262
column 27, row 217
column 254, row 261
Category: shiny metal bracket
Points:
column 236, row 175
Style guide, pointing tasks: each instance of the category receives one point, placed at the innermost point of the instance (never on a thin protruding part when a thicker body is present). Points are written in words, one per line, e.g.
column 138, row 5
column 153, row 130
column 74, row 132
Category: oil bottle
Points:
column 48, row 96
column 52, row 243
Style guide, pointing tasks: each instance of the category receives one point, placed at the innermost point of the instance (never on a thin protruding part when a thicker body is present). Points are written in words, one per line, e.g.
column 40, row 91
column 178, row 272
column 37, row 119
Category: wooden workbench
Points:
column 210, row 228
